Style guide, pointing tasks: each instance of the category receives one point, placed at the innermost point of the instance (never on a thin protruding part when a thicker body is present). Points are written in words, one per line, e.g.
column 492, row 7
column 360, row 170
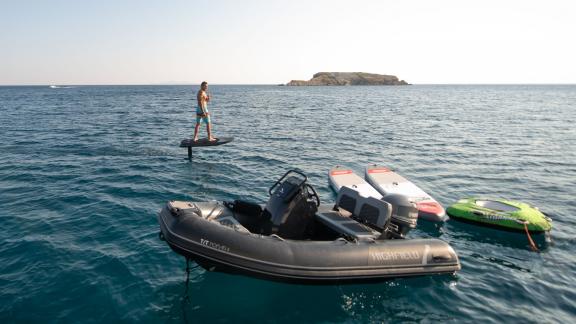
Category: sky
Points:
column 271, row 42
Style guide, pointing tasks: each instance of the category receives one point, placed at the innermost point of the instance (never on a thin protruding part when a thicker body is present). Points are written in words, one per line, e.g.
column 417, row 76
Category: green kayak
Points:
column 500, row 213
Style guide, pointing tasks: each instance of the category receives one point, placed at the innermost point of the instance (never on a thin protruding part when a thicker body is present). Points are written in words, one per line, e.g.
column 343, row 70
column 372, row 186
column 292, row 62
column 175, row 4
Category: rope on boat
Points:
column 188, row 268
column 525, row 223
column 186, row 297
column 532, row 244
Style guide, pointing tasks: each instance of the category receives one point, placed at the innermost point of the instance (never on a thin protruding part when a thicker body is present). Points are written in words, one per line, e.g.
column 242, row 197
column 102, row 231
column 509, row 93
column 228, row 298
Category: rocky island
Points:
column 348, row 78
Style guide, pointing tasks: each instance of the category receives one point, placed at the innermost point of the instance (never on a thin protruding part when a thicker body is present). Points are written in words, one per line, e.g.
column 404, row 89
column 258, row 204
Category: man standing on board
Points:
column 202, row 113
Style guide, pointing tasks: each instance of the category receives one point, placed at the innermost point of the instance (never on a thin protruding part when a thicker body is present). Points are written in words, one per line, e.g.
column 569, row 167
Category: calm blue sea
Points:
column 84, row 170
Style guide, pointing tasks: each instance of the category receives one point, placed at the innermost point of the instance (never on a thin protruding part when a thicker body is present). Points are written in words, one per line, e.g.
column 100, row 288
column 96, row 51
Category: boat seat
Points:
column 211, row 212
column 225, row 217
column 375, row 212
column 347, row 200
column 368, row 210
column 346, row 226
column 231, row 222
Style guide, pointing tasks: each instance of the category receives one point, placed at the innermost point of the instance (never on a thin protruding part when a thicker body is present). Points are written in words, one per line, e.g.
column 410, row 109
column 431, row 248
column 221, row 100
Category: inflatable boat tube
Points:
column 294, row 239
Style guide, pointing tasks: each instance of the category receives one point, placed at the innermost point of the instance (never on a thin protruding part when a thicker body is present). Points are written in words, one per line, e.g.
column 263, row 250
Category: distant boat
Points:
column 60, row 87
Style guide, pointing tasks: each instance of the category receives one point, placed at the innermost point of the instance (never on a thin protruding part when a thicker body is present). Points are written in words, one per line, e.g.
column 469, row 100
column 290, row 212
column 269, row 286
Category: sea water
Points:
column 84, row 171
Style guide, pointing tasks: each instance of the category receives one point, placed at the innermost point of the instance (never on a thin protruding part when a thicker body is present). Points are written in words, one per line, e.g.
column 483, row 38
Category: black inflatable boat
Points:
column 294, row 239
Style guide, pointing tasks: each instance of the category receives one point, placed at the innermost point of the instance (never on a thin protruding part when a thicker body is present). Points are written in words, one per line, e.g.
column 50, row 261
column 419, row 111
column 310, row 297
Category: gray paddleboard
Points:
column 387, row 182
column 341, row 176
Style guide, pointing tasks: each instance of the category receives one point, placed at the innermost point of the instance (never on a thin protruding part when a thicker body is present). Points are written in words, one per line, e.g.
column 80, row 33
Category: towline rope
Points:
column 188, row 268
column 532, row 244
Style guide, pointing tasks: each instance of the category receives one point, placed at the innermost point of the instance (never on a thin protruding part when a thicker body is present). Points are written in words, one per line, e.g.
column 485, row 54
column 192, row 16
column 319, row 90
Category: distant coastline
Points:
column 348, row 79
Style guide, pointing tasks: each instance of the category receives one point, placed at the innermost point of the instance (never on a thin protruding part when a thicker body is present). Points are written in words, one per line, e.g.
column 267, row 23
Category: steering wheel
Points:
column 314, row 194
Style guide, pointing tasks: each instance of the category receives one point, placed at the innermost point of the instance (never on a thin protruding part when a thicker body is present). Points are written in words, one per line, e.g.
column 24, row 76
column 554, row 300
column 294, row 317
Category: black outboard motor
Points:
column 291, row 208
column 404, row 216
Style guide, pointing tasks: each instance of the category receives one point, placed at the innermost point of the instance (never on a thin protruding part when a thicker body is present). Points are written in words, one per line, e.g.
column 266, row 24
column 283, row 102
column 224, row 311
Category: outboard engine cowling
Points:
column 404, row 215
column 291, row 208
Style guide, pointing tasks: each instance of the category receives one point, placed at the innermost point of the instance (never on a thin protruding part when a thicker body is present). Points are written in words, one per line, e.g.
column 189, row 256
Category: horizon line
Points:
column 259, row 84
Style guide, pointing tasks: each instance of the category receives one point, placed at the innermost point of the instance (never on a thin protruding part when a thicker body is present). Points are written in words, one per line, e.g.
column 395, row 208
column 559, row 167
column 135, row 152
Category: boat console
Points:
column 291, row 207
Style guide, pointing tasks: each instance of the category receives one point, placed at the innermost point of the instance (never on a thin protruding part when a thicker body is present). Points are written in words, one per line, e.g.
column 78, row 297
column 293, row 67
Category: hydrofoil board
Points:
column 189, row 142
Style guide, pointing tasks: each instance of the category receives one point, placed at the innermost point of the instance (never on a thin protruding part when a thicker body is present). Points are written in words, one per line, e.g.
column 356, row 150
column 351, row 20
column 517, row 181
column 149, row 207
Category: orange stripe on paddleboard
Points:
column 378, row 170
column 430, row 207
column 339, row 172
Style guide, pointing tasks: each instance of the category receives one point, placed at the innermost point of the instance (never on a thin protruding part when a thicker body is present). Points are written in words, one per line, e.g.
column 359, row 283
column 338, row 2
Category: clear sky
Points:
column 271, row 42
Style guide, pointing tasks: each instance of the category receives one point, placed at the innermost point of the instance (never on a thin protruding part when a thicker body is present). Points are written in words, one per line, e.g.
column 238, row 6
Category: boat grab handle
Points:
column 441, row 257
column 284, row 176
column 277, row 237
